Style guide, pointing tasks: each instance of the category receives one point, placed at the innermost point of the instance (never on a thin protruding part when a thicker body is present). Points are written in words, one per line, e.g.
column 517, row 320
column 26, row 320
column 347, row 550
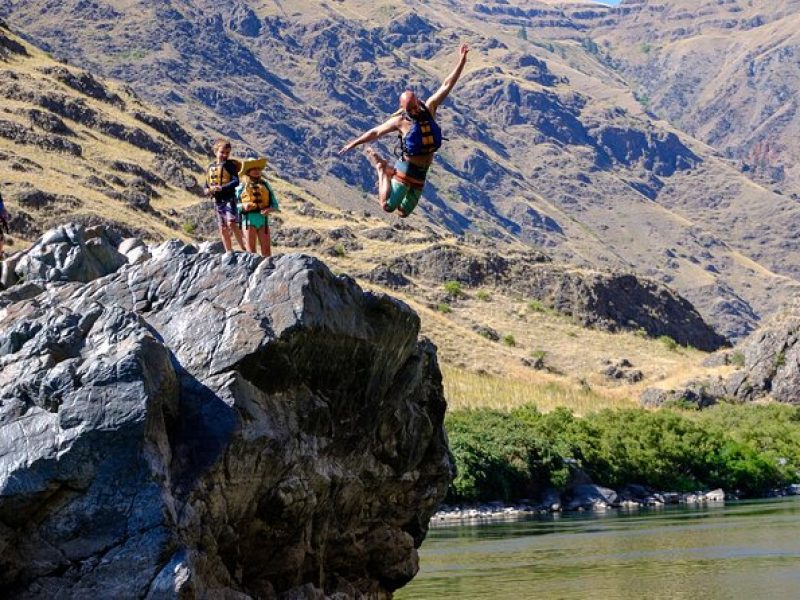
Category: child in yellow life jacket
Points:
column 256, row 200
column 222, row 177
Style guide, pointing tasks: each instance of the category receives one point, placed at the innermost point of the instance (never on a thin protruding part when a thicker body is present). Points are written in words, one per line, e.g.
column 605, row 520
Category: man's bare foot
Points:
column 375, row 158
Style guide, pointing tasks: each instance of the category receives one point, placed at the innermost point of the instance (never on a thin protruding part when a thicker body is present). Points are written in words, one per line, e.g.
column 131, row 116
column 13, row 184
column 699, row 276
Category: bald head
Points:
column 408, row 101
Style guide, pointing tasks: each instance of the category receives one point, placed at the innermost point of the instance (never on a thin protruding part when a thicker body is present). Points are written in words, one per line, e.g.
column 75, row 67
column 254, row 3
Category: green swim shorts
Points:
column 407, row 184
column 254, row 219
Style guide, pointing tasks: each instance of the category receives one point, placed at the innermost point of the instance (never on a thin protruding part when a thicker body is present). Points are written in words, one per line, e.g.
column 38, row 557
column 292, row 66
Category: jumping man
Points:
column 400, row 187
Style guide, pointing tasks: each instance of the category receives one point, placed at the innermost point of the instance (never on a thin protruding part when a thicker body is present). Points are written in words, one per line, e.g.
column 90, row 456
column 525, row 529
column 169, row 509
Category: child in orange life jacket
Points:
column 256, row 201
column 222, row 177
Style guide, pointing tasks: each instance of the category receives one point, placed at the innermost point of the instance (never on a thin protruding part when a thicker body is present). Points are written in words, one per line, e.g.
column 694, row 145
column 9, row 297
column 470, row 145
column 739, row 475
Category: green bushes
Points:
column 749, row 449
column 498, row 456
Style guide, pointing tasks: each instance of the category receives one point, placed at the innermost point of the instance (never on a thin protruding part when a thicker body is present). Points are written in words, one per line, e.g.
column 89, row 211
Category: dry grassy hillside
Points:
column 73, row 148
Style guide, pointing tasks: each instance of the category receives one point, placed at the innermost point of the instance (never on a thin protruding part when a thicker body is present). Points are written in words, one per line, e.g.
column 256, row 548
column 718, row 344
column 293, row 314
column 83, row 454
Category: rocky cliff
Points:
column 766, row 367
column 724, row 72
column 190, row 424
column 611, row 301
column 769, row 361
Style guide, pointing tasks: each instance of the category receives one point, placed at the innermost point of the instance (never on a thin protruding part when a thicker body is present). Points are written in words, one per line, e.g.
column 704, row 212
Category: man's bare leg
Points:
column 385, row 173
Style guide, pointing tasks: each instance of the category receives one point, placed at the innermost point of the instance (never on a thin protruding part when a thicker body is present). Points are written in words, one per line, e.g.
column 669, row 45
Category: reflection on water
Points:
column 740, row 550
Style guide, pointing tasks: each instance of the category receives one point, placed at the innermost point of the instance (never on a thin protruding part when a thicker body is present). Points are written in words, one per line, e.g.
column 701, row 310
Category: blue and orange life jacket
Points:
column 425, row 135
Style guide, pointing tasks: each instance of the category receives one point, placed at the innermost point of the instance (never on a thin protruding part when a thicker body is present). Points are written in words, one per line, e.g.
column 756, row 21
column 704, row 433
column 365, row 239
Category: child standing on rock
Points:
column 221, row 181
column 4, row 218
column 256, row 201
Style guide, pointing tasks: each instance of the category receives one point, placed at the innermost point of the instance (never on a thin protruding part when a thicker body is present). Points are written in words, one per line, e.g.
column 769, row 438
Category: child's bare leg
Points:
column 225, row 234
column 263, row 240
column 250, row 240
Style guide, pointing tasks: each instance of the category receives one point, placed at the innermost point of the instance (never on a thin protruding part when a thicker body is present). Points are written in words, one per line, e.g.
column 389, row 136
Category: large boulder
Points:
column 67, row 253
column 589, row 496
column 216, row 425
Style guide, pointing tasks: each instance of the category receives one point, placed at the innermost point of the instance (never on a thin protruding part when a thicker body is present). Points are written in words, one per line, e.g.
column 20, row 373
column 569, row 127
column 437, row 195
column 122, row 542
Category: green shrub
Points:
column 339, row 250
column 737, row 358
column 453, row 289
column 444, row 308
column 536, row 306
column 483, row 295
column 780, row 359
column 509, row 340
column 189, row 228
column 498, row 456
column 669, row 343
column 539, row 354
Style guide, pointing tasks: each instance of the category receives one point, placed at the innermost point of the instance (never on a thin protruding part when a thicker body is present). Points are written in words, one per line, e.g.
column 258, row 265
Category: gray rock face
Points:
column 701, row 394
column 589, row 496
column 771, row 361
column 769, row 367
column 207, row 425
column 68, row 253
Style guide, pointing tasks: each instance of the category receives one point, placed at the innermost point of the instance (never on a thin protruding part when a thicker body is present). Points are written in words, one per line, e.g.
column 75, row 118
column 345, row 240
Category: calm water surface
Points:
column 740, row 550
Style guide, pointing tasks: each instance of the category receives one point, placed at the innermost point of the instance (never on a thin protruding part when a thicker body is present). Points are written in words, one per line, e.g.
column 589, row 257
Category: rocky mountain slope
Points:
column 72, row 146
column 725, row 72
column 205, row 425
column 548, row 144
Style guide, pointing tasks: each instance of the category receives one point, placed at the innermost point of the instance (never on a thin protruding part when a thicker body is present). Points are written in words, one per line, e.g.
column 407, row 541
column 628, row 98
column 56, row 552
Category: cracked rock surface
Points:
column 204, row 425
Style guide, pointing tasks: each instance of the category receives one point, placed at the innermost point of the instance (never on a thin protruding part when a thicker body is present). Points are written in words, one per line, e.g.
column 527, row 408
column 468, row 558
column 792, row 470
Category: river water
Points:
column 742, row 550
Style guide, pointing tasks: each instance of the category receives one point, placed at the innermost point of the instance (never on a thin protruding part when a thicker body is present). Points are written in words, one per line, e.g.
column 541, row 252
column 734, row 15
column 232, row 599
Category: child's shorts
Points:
column 254, row 219
column 226, row 213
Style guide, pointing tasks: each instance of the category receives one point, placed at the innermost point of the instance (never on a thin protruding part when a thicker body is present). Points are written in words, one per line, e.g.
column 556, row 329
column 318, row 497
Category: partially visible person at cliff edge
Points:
column 222, row 178
column 400, row 187
column 256, row 201
column 4, row 219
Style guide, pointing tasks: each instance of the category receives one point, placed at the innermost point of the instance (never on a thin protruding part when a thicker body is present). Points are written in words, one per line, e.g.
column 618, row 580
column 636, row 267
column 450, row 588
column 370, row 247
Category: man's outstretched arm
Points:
column 373, row 134
column 451, row 80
